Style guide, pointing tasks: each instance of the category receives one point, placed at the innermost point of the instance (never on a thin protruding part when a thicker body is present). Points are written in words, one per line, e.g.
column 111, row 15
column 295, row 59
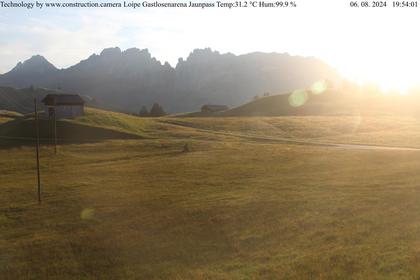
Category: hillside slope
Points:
column 96, row 125
column 22, row 100
column 330, row 102
column 228, row 209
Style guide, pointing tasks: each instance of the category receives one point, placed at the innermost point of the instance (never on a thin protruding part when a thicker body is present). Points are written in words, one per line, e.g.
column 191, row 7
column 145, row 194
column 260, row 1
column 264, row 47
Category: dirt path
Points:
column 297, row 141
column 373, row 147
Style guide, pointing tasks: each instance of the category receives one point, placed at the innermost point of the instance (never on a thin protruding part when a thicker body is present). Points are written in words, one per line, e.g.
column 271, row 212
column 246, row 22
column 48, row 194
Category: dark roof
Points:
column 63, row 99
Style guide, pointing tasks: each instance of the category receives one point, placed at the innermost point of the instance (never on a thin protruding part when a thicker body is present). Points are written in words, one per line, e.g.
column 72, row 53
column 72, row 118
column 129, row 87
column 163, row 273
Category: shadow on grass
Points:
column 21, row 132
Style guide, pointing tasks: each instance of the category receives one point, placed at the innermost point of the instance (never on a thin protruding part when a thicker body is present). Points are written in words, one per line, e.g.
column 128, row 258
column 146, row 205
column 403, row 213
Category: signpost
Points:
column 52, row 118
column 55, row 133
column 37, row 152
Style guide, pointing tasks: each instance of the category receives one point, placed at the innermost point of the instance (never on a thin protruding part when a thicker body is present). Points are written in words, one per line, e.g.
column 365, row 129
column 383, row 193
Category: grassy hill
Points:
column 388, row 130
column 234, row 207
column 97, row 125
column 6, row 116
column 329, row 102
column 305, row 103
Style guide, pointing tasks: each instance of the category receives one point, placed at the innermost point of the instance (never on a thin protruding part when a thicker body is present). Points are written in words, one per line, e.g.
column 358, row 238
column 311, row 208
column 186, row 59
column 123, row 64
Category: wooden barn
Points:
column 213, row 108
column 64, row 105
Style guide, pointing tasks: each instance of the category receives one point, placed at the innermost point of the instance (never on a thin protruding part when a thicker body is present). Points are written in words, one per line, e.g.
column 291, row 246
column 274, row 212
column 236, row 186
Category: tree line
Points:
column 155, row 111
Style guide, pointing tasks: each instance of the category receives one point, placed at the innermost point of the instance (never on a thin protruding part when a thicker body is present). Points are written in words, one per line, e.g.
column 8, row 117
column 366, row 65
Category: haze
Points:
column 382, row 50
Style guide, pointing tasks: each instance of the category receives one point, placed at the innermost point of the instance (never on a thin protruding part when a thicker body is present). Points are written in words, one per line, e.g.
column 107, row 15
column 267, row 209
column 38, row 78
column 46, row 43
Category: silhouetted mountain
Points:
column 34, row 70
column 126, row 80
column 212, row 78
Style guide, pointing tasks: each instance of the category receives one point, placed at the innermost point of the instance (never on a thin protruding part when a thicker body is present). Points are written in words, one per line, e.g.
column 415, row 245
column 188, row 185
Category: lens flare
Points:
column 319, row 87
column 298, row 98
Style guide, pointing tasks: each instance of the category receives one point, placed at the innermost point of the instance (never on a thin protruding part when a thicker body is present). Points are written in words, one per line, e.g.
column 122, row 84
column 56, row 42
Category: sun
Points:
column 389, row 76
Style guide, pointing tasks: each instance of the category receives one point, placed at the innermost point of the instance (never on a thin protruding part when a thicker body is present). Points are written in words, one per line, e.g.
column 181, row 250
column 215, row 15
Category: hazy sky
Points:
column 367, row 44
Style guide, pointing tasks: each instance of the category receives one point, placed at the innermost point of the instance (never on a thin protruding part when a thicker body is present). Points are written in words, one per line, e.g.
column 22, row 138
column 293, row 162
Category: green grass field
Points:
column 123, row 201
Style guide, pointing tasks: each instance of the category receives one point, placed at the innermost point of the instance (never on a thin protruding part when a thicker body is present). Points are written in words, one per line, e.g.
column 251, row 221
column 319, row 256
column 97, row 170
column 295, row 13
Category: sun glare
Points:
column 385, row 80
column 390, row 74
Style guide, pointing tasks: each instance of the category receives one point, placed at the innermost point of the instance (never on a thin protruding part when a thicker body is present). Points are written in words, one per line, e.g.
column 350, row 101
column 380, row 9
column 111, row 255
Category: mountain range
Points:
column 126, row 80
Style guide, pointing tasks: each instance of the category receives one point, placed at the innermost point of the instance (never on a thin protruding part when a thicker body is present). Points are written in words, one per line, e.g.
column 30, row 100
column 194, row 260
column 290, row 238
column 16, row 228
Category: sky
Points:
column 378, row 45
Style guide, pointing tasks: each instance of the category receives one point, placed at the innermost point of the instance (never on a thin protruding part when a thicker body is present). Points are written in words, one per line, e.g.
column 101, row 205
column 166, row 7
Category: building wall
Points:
column 63, row 112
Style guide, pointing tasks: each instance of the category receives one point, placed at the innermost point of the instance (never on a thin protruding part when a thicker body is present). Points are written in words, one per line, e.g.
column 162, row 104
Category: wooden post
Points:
column 50, row 125
column 55, row 133
column 37, row 153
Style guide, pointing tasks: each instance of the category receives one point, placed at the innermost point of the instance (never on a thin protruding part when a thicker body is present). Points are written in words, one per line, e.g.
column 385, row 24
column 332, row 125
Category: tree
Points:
column 157, row 111
column 144, row 112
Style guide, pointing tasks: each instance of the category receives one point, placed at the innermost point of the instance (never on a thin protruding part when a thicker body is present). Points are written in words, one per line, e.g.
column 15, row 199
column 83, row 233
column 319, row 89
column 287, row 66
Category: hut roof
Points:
column 63, row 99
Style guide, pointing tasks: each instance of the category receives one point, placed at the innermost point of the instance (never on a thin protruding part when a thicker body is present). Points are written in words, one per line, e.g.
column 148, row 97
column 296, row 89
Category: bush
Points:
column 143, row 112
column 157, row 111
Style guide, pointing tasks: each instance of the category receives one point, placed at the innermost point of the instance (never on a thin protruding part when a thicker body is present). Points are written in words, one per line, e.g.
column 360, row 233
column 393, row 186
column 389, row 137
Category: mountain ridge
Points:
column 126, row 80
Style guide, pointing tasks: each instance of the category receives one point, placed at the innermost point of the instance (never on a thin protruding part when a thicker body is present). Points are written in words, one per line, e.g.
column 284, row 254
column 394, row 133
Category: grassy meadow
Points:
column 123, row 201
